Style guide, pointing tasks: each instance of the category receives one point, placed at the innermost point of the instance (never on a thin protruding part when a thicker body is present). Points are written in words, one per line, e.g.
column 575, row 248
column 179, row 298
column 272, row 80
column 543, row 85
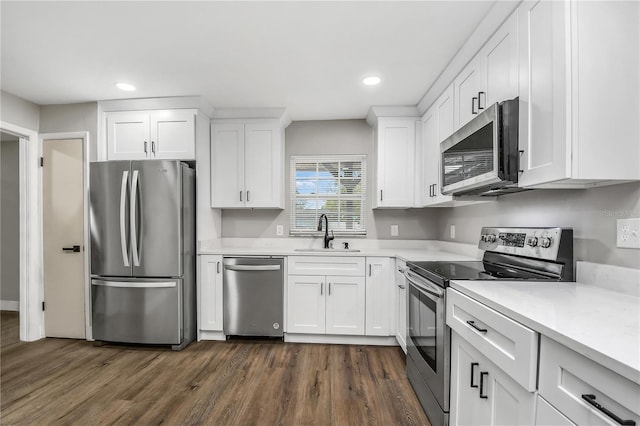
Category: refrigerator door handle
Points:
column 137, row 284
column 123, row 218
column 134, row 231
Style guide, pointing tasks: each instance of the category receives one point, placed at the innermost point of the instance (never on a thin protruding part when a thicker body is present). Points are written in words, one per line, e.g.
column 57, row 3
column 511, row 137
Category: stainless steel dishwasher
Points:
column 253, row 296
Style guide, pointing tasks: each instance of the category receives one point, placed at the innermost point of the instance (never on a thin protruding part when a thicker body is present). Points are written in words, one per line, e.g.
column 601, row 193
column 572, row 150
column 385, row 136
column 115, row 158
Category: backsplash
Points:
column 592, row 214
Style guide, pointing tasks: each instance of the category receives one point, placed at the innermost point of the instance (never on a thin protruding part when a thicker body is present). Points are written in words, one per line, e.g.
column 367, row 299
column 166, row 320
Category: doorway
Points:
column 63, row 205
column 10, row 229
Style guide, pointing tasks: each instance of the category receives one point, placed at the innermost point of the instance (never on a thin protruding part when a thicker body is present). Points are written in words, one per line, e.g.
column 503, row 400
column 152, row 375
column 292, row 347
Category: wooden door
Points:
column 63, row 231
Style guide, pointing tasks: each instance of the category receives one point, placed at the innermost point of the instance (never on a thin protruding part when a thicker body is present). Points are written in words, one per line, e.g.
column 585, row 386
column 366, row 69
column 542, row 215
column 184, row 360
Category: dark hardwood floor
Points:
column 64, row 381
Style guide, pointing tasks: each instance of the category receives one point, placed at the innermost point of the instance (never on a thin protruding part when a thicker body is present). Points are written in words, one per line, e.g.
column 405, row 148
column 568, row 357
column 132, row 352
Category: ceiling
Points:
column 309, row 57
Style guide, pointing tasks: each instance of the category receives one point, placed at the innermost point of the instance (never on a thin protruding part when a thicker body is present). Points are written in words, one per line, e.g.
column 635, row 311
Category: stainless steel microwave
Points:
column 482, row 157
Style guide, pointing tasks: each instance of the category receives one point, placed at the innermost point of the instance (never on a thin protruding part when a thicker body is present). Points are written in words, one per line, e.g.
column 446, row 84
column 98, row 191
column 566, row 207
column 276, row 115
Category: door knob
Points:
column 74, row 249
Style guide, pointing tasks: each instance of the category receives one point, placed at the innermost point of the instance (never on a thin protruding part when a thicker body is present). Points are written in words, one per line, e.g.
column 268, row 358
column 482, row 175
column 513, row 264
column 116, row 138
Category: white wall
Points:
column 19, row 112
column 592, row 214
column 9, row 220
column 72, row 118
column 330, row 137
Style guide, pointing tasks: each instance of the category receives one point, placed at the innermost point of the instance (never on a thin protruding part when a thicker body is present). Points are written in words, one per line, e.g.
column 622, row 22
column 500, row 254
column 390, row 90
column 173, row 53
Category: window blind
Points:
column 333, row 185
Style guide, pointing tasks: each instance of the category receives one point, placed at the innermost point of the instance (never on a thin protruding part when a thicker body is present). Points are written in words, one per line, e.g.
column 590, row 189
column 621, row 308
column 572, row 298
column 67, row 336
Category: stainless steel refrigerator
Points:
column 143, row 252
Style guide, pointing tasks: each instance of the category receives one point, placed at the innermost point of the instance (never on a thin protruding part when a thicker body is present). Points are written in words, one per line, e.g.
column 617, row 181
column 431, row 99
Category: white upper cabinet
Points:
column 468, row 87
column 491, row 76
column 140, row 135
column 394, row 150
column 579, row 80
column 247, row 158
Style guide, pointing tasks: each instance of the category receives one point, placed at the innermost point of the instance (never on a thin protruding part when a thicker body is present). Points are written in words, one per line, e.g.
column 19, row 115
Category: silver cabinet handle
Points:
column 132, row 218
column 369, row 269
column 153, row 148
column 252, row 267
column 381, row 195
column 240, row 195
column 123, row 225
column 132, row 284
column 247, row 196
column 321, row 288
column 145, row 147
column 218, row 267
column 329, row 289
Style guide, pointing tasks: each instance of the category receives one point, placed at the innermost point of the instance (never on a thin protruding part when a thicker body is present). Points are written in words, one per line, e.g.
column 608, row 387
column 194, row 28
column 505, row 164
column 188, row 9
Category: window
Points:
column 333, row 185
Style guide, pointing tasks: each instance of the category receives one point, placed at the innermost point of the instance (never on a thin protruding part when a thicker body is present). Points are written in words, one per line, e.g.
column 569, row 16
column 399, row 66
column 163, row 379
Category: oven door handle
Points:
column 422, row 284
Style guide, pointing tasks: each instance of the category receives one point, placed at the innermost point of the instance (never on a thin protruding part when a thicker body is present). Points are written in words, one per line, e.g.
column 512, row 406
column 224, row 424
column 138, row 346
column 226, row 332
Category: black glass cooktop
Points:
column 442, row 272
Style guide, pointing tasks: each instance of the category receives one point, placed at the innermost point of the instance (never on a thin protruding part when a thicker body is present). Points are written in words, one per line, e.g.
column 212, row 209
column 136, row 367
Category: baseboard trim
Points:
column 10, row 305
column 211, row 335
column 341, row 340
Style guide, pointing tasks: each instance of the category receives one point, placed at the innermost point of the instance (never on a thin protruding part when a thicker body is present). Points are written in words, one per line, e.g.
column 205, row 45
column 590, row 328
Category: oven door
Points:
column 428, row 340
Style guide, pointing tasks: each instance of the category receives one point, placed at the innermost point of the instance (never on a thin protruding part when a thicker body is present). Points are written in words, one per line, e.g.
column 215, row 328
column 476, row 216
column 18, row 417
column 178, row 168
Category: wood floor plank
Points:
column 62, row 381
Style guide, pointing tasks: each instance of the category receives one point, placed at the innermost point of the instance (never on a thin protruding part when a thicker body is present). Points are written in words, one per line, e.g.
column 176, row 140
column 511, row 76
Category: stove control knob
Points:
column 532, row 242
column 491, row 238
column 545, row 242
column 483, row 237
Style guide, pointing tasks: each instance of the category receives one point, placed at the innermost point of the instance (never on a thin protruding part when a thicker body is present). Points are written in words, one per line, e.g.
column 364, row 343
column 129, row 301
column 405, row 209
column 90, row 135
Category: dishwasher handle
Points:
column 252, row 267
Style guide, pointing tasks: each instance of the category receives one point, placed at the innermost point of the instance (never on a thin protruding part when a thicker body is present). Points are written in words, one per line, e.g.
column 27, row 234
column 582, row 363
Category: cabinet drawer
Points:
column 507, row 343
column 326, row 265
column 565, row 376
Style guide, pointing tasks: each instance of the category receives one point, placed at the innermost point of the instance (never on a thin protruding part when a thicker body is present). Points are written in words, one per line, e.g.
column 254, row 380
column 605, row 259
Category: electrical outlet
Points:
column 279, row 230
column 452, row 232
column 628, row 233
column 394, row 230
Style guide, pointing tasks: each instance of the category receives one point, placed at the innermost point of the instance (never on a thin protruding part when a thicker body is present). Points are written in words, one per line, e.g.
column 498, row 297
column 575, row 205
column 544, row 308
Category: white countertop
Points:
column 414, row 250
column 404, row 254
column 599, row 323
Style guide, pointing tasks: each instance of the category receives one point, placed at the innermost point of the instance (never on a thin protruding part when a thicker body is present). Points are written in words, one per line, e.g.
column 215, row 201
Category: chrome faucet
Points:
column 327, row 238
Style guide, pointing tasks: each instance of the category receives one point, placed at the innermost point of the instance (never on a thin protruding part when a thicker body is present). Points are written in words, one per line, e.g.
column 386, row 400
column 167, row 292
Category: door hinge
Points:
column 43, row 306
column 41, row 161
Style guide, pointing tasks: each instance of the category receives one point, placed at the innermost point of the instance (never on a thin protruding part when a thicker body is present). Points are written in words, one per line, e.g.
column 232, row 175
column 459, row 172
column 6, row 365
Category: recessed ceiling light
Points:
column 371, row 81
column 126, row 87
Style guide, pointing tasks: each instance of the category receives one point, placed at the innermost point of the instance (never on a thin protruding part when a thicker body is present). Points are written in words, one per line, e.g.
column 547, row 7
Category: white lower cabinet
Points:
column 482, row 394
column 319, row 304
column 210, row 292
column 584, row 391
column 401, row 304
column 380, row 297
column 547, row 415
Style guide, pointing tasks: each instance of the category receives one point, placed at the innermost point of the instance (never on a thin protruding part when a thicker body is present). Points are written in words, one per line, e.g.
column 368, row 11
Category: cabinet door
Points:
column 227, row 165
column 484, row 394
column 466, row 407
column 446, row 115
column 306, row 304
column 380, row 297
column 173, row 134
column 345, row 305
column 499, row 59
column 467, row 87
column 543, row 137
column 430, row 145
column 395, row 157
column 127, row 135
column 264, row 153
column 401, row 305
column 210, row 293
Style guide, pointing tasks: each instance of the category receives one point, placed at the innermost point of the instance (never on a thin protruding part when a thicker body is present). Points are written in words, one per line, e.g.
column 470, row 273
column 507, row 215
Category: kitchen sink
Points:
column 327, row 250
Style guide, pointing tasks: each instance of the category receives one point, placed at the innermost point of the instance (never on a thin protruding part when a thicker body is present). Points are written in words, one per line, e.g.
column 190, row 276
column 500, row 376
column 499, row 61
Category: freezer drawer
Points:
column 137, row 311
